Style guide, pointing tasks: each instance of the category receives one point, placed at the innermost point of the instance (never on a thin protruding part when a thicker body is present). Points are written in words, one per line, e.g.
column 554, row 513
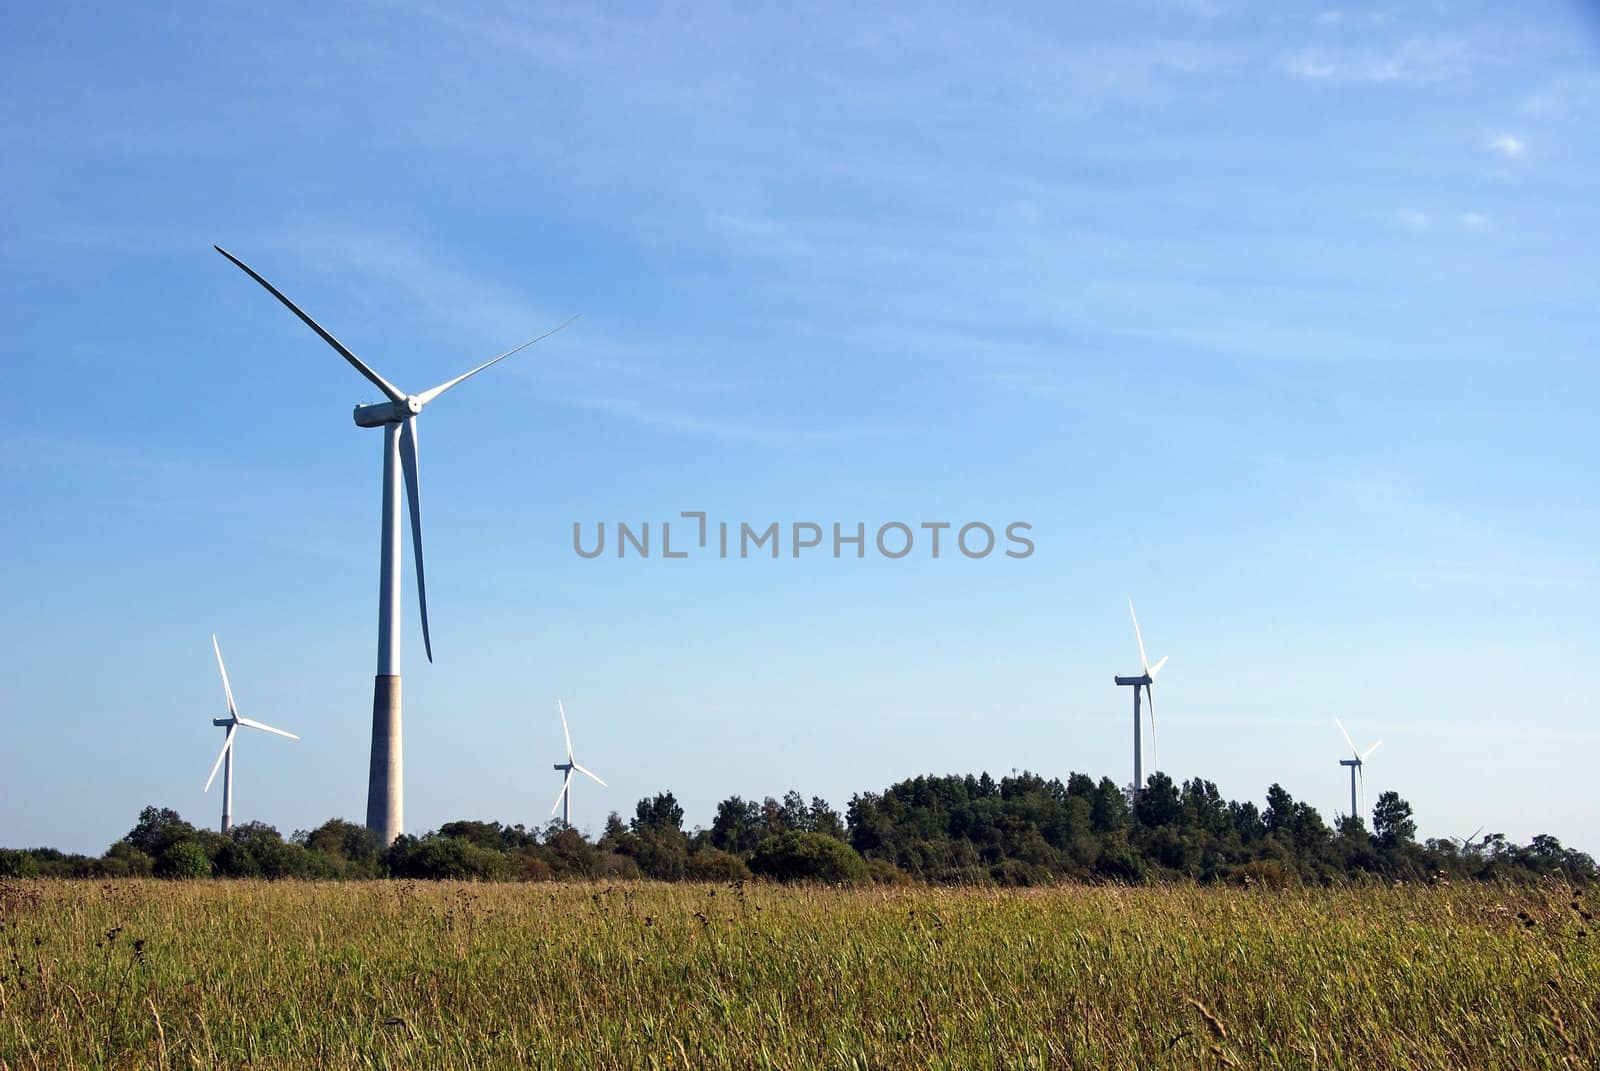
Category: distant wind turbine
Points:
column 1143, row 680
column 225, row 757
column 1355, row 764
column 397, row 416
column 564, row 799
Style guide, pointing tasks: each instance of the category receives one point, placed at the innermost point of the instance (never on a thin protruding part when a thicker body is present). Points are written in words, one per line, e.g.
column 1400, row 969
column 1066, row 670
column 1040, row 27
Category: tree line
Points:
column 1019, row 830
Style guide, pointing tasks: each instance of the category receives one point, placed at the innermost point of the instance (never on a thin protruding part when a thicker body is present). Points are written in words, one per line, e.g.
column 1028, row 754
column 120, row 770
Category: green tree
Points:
column 1109, row 810
column 659, row 812
column 123, row 860
column 182, row 860
column 438, row 858
column 1391, row 821
column 158, row 829
column 1158, row 805
column 354, row 849
column 737, row 825
column 800, row 856
column 825, row 820
column 18, row 864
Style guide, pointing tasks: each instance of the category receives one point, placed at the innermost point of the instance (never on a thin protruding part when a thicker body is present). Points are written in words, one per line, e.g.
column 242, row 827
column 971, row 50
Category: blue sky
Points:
column 1278, row 318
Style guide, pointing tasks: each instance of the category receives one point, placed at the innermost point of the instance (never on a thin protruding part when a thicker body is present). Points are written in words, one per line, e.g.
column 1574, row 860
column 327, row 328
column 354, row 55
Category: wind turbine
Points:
column 398, row 418
column 225, row 757
column 1143, row 680
column 564, row 799
column 1355, row 764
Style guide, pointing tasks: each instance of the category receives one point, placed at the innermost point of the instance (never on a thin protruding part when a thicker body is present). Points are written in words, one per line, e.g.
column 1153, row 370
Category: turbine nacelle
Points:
column 377, row 414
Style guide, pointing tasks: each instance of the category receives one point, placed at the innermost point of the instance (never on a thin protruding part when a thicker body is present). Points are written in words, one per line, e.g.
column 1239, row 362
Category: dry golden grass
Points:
column 405, row 975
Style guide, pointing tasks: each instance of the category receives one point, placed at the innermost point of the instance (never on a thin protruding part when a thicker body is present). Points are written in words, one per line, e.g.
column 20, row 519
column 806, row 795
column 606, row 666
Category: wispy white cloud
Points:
column 1329, row 18
column 1412, row 219
column 1417, row 61
column 1508, row 145
column 662, row 418
column 1475, row 221
column 1310, row 64
column 408, row 273
column 1540, row 105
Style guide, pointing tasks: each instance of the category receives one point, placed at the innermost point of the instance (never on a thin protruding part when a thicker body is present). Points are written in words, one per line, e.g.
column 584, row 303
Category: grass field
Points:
column 222, row 974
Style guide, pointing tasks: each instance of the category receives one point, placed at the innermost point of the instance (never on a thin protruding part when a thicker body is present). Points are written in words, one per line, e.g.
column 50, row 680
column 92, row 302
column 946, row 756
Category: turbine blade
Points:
column 392, row 392
column 227, row 742
column 565, row 785
column 1370, row 750
column 227, row 690
column 1143, row 661
column 1157, row 667
column 266, row 728
column 433, row 392
column 590, row 774
column 1150, row 701
column 408, row 462
column 564, row 731
column 1347, row 739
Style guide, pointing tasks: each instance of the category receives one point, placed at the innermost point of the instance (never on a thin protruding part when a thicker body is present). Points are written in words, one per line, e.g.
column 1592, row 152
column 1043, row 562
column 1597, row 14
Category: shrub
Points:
column 436, row 858
column 123, row 860
column 1268, row 872
column 801, row 856
column 661, row 856
column 614, row 866
column 183, row 859
column 17, row 864
column 883, row 872
column 713, row 864
column 530, row 867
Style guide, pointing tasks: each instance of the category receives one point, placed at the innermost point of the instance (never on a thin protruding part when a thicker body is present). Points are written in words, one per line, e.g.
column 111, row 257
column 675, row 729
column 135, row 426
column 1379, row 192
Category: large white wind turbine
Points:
column 1144, row 681
column 398, row 418
column 225, row 756
column 1356, row 763
column 564, row 800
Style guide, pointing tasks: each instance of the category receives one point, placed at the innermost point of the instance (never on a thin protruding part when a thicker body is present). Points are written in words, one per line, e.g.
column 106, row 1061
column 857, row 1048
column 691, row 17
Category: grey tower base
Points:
column 385, row 777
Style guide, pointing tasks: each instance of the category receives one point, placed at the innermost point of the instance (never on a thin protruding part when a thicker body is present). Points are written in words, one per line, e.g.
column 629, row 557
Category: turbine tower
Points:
column 564, row 800
column 397, row 416
column 1355, row 764
column 1143, row 680
column 225, row 758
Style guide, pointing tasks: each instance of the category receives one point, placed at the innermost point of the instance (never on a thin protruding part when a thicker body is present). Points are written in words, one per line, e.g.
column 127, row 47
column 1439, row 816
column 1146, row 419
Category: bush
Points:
column 661, row 856
column 800, row 856
column 183, row 859
column 531, row 867
column 123, row 860
column 436, row 858
column 616, row 867
column 713, row 864
column 883, row 872
column 1268, row 872
column 16, row 864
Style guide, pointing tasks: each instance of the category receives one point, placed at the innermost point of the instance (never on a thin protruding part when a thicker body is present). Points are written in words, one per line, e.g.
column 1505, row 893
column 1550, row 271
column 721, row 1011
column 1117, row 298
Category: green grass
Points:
column 410, row 975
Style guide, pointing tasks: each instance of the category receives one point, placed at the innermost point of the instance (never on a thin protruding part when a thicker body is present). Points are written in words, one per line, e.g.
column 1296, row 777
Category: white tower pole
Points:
column 385, row 786
column 227, row 792
column 1138, row 747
